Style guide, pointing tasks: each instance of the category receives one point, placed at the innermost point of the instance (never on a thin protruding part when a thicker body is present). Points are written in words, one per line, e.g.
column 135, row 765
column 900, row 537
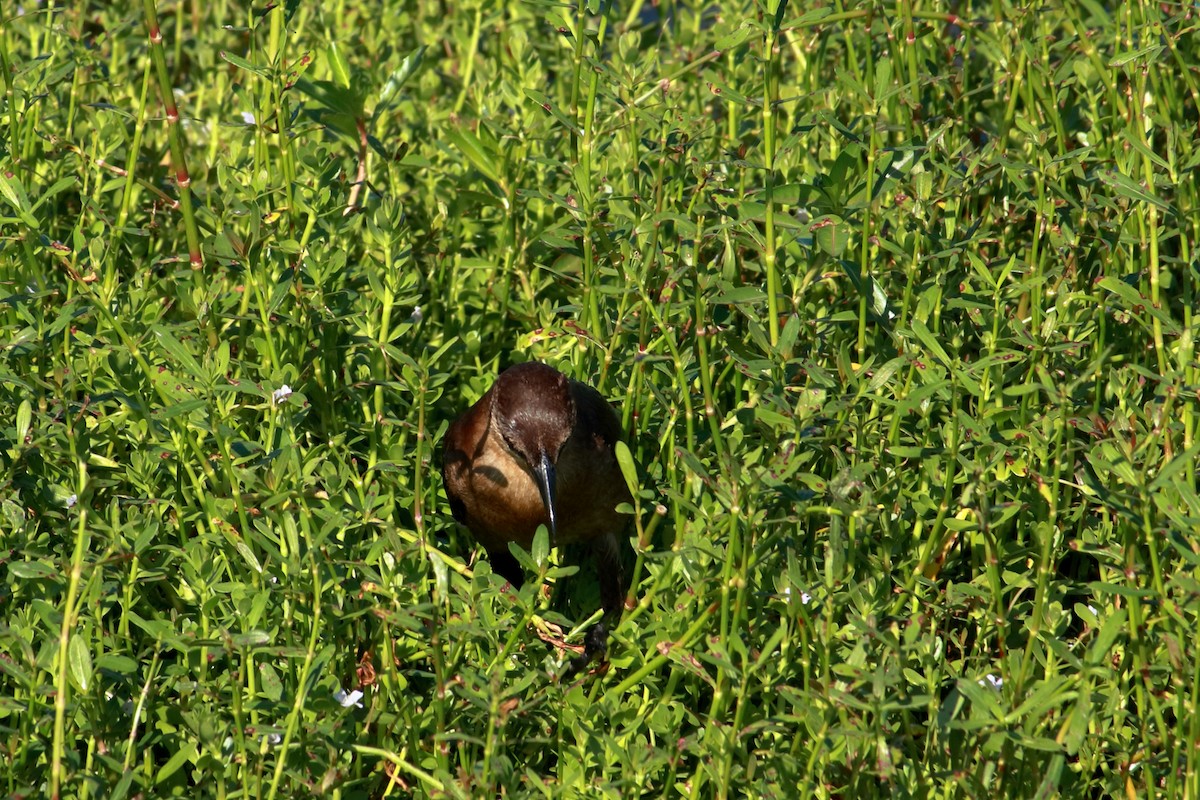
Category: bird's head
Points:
column 534, row 413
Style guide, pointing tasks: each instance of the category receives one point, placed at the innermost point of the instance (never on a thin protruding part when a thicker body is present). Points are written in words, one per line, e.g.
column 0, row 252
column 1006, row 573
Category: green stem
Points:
column 174, row 133
column 770, row 96
column 468, row 59
column 586, row 188
column 304, row 683
column 61, row 684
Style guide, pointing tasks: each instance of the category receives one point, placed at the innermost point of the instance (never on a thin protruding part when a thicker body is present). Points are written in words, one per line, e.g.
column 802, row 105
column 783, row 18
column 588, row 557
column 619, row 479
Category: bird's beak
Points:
column 544, row 470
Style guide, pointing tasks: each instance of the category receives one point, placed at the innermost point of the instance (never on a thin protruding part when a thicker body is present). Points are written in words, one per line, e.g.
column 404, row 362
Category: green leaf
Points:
column 729, row 94
column 181, row 409
column 1127, row 187
column 740, row 296
column 60, row 185
column 441, row 574
column 929, row 342
column 738, row 36
column 540, row 550
column 14, row 517
column 548, row 106
column 121, row 791
column 80, row 660
column 32, row 570
column 253, row 638
column 248, row 556
column 628, row 467
column 186, row 752
column 104, row 462
column 112, row 662
column 338, row 65
column 788, row 336
column 24, row 420
column 243, row 64
column 399, row 76
column 270, row 686
column 1113, row 627
column 885, row 373
column 472, row 147
column 180, row 355
column 1129, row 294
column 12, row 191
column 1176, row 465
column 831, row 234
column 1148, row 54
column 338, row 99
column 1137, row 144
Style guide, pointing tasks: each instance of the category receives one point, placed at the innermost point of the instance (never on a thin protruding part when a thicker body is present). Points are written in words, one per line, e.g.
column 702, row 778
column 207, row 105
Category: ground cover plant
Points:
column 896, row 301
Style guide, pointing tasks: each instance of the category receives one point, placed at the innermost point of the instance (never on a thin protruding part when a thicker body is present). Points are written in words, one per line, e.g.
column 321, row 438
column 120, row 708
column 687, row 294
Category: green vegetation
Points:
column 898, row 306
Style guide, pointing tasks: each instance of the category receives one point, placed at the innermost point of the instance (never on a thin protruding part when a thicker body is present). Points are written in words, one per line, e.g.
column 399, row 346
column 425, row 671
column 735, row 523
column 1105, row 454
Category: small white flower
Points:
column 991, row 681
column 348, row 699
column 273, row 738
column 805, row 597
column 281, row 394
column 416, row 315
column 248, row 118
column 72, row 500
column 126, row 706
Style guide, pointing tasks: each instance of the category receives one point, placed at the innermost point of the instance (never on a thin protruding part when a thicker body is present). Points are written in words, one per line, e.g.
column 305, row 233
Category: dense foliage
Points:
column 896, row 304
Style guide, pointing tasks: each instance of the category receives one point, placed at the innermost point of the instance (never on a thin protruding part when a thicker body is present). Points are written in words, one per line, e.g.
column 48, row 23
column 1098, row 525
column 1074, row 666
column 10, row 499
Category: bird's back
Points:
column 590, row 482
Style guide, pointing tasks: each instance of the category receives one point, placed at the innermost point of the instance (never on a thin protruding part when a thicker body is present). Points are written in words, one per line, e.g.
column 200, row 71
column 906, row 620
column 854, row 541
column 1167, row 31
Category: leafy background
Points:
column 896, row 300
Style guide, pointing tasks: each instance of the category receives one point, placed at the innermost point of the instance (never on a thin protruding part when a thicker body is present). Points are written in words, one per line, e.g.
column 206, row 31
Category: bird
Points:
column 539, row 448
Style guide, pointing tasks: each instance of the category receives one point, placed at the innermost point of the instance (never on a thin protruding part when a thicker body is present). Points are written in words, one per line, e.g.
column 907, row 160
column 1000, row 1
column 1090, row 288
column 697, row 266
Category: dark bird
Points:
column 538, row 449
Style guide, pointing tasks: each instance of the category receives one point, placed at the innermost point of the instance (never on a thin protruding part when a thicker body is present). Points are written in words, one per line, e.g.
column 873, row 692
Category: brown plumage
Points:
column 538, row 449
